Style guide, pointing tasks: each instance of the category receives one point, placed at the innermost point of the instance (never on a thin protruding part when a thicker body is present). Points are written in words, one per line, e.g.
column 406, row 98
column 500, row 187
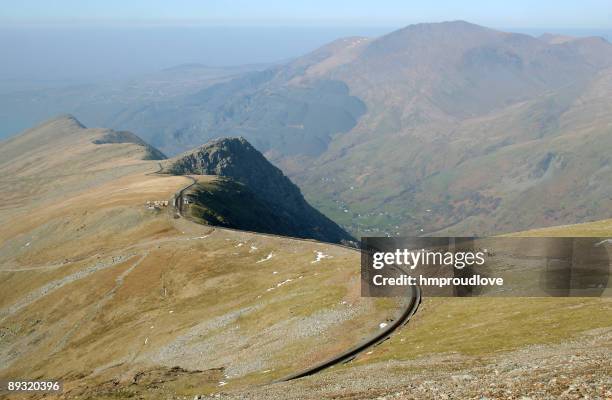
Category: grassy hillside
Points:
column 601, row 228
column 121, row 300
column 544, row 348
column 451, row 325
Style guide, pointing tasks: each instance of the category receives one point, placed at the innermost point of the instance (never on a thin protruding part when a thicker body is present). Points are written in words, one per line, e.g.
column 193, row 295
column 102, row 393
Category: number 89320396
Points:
column 24, row 385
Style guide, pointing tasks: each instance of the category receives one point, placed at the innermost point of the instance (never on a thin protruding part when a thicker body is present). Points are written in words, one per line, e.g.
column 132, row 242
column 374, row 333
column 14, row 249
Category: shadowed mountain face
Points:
column 435, row 127
column 273, row 194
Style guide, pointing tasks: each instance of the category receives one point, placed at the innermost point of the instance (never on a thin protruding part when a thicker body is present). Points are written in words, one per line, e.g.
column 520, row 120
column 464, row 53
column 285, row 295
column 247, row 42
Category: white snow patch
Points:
column 320, row 256
column 222, row 383
column 382, row 325
column 275, row 272
column 253, row 248
column 27, row 244
column 269, row 256
column 239, row 244
column 283, row 282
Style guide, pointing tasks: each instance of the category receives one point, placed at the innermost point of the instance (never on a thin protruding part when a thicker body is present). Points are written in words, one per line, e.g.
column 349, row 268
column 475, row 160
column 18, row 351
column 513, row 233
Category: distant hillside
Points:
column 268, row 202
column 151, row 153
column 443, row 128
column 66, row 130
column 106, row 104
column 601, row 228
column 446, row 127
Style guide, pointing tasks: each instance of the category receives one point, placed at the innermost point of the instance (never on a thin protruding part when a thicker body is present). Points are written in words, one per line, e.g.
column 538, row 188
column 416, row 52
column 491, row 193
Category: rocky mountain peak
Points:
column 237, row 159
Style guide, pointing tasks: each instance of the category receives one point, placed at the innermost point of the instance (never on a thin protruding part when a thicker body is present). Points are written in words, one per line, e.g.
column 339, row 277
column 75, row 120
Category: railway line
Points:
column 414, row 300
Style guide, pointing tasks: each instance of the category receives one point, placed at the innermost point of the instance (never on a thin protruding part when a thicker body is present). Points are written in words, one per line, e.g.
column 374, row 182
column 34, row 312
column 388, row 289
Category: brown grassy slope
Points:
column 481, row 326
column 544, row 348
column 96, row 288
column 601, row 228
column 59, row 157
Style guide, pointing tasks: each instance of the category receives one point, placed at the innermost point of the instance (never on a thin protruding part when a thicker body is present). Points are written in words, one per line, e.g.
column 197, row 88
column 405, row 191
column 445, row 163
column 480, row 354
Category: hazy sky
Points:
column 50, row 41
column 61, row 43
column 514, row 13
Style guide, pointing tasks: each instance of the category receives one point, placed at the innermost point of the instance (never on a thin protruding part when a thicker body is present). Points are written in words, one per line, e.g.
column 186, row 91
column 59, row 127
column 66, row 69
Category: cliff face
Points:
column 235, row 158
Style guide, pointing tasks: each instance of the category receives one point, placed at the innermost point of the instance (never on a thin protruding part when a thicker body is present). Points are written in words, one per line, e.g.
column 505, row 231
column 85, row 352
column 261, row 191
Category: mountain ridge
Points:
column 378, row 131
column 237, row 159
column 65, row 127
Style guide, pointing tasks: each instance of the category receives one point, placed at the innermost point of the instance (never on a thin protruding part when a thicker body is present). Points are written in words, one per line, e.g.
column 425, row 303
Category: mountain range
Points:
column 434, row 128
column 441, row 128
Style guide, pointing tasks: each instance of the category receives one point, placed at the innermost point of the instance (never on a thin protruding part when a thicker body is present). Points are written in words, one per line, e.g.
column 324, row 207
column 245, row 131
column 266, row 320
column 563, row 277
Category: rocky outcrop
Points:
column 235, row 158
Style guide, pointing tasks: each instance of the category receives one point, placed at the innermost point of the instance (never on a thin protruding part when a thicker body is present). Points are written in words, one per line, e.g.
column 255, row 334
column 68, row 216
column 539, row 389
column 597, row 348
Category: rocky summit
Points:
column 237, row 159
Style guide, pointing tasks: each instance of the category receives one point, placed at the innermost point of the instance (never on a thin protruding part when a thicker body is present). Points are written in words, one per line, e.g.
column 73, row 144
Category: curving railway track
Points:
column 346, row 356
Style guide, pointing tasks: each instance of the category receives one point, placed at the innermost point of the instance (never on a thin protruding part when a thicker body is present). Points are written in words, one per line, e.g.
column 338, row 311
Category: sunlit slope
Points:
column 102, row 291
column 60, row 156
column 601, row 228
column 482, row 326
column 481, row 348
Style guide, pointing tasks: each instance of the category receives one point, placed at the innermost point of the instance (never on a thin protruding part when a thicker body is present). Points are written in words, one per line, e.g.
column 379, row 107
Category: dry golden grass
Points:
column 100, row 291
column 95, row 287
column 484, row 326
column 601, row 228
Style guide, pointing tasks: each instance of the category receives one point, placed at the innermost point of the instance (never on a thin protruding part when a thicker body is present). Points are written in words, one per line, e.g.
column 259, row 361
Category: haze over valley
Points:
column 434, row 128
